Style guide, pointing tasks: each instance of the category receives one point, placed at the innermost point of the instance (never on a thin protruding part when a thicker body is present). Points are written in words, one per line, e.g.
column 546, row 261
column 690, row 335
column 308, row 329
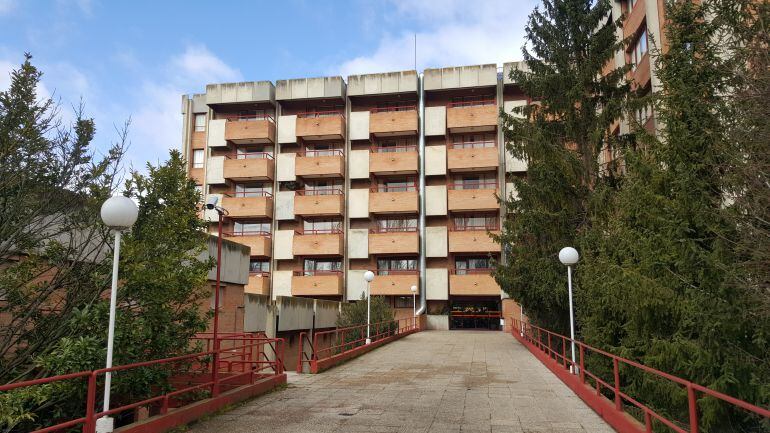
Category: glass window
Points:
column 321, row 226
column 394, row 145
column 396, row 225
column 473, row 141
column 257, row 266
column 397, row 185
column 200, row 122
column 323, row 187
column 640, row 48
column 312, row 266
column 198, row 156
column 475, row 181
column 252, row 190
column 251, row 228
column 323, row 149
column 469, row 265
column 390, row 265
column 473, row 100
column 251, row 153
column 475, row 222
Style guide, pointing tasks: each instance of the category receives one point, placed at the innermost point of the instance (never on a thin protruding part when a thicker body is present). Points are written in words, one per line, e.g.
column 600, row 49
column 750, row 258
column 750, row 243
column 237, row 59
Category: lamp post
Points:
column 118, row 213
column 569, row 256
column 414, row 301
column 368, row 276
column 211, row 204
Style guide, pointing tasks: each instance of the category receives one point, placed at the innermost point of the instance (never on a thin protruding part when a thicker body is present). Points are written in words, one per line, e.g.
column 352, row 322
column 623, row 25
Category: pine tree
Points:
column 560, row 135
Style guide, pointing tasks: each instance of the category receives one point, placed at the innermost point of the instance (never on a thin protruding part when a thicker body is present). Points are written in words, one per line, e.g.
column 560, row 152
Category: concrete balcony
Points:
column 641, row 74
column 316, row 283
column 259, row 166
column 393, row 121
column 403, row 161
column 393, row 202
column 634, row 18
column 472, row 241
column 250, row 129
column 260, row 242
column 309, row 243
column 401, row 242
column 465, row 159
column 316, row 163
column 321, row 125
column 475, row 282
column 395, row 283
column 472, row 116
column 468, row 200
column 248, row 205
column 317, row 203
column 259, row 284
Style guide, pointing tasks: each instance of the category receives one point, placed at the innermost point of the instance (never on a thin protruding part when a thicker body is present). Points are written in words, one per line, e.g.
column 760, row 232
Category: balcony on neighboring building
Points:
column 469, row 197
column 248, row 204
column 472, row 234
column 259, row 241
column 243, row 166
column 316, row 283
column 472, row 282
column 321, row 125
column 393, row 120
column 393, row 157
column 395, row 282
column 317, row 242
column 250, row 129
column 472, row 115
column 319, row 202
column 394, row 197
column 384, row 240
column 320, row 163
column 472, row 152
column 259, row 283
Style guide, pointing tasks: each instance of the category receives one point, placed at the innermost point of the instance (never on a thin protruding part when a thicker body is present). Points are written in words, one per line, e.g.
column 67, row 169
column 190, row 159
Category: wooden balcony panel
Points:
column 472, row 199
column 321, row 128
column 472, row 241
column 320, row 166
column 394, row 202
column 473, row 159
column 320, row 205
column 393, row 162
column 473, row 285
column 244, row 207
column 316, row 285
column 641, row 75
column 249, row 169
column 472, row 119
column 395, row 285
column 388, row 123
column 394, row 243
column 258, row 284
column 250, row 131
column 326, row 244
column 260, row 245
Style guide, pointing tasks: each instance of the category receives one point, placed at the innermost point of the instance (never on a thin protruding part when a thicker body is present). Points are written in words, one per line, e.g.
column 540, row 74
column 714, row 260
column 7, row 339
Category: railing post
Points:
column 550, row 351
column 616, row 372
column 582, row 364
column 564, row 352
column 300, row 352
column 693, row 406
column 89, row 426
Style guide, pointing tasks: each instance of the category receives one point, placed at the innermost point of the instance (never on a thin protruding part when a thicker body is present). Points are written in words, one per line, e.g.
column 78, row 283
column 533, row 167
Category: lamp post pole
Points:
column 569, row 256
column 368, row 276
column 118, row 213
column 211, row 204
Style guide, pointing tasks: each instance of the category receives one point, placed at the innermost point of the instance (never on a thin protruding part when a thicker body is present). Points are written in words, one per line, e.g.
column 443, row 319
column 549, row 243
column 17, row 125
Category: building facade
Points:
column 398, row 173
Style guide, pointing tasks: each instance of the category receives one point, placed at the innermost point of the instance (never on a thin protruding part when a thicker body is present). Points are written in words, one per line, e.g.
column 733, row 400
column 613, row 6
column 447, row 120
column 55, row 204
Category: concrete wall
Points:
column 384, row 83
column 460, row 77
column 326, row 313
column 287, row 129
column 216, row 133
column 211, row 215
column 283, row 241
column 435, row 160
column 507, row 67
column 436, row 242
column 358, row 164
column 215, row 170
column 257, row 308
column 435, row 200
column 358, row 203
column 359, row 125
column 294, row 313
column 437, row 283
column 235, row 261
column 250, row 91
column 284, row 167
column 358, row 243
column 308, row 88
column 284, row 205
column 281, row 285
column 435, row 120
column 439, row 322
column 356, row 286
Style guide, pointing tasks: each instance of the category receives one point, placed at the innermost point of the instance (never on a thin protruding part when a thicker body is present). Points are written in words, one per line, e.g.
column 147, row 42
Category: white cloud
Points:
column 449, row 33
column 7, row 6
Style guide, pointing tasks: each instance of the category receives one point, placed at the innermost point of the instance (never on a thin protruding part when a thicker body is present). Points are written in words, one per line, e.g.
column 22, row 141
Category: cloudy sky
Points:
column 133, row 59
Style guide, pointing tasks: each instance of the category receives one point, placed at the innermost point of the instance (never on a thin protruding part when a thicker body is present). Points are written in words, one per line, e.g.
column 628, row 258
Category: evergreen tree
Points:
column 575, row 102
column 659, row 277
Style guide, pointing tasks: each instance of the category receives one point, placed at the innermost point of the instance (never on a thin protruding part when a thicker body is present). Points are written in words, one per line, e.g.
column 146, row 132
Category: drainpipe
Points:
column 421, row 151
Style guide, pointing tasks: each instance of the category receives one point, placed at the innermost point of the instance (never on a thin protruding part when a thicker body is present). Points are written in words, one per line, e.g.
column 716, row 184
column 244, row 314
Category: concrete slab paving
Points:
column 432, row 381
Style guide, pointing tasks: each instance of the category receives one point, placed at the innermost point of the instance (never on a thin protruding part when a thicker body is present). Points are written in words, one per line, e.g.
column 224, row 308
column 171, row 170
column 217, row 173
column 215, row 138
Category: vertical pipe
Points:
column 693, row 408
column 215, row 370
column 111, row 329
column 616, row 374
column 421, row 151
column 571, row 316
column 368, row 311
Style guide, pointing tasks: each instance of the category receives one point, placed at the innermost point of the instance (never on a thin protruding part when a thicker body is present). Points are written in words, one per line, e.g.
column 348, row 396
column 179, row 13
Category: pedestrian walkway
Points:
column 431, row 381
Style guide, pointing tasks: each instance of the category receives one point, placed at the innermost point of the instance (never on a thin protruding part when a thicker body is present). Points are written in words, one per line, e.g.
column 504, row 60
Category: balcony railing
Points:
column 392, row 229
column 472, row 144
column 320, row 191
column 394, row 108
column 248, row 233
column 473, row 271
column 250, row 155
column 410, row 187
column 265, row 274
column 320, row 114
column 477, row 103
column 314, row 153
column 303, row 231
column 313, row 273
column 247, row 117
column 248, row 194
column 394, row 149
column 471, row 185
column 474, row 227
column 397, row 272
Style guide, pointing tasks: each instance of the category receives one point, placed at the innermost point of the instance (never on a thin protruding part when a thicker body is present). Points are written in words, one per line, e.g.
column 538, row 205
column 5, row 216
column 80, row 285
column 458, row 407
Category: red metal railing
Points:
column 394, row 108
column 490, row 226
column 400, row 148
column 315, row 273
column 555, row 346
column 472, row 144
column 247, row 117
column 397, row 272
column 491, row 184
column 250, row 155
column 329, row 231
column 476, row 315
column 403, row 187
column 259, row 274
column 472, row 271
column 331, row 190
column 341, row 341
column 471, row 103
column 316, row 114
column 316, row 153
column 247, row 233
column 379, row 229
column 245, row 361
column 248, row 194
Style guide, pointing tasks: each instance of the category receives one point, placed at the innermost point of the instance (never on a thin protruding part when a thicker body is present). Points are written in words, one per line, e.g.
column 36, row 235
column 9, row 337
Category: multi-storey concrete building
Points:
column 397, row 173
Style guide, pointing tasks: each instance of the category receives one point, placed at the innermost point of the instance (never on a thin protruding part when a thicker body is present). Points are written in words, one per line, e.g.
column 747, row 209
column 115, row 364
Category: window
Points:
column 640, row 49
column 470, row 265
column 397, row 185
column 475, row 222
column 473, row 141
column 386, row 225
column 643, row 114
column 323, row 111
column 197, row 161
column 321, row 226
column 251, row 153
column 396, row 145
column 403, row 302
column 259, row 266
column 323, row 149
column 252, row 190
column 320, row 266
column 323, row 187
column 473, row 101
column 393, row 265
column 251, row 228
column 395, row 106
column 200, row 122
column 475, row 181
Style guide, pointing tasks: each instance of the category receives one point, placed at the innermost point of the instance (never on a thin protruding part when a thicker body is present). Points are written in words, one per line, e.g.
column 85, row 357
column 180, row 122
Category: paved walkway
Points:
column 433, row 381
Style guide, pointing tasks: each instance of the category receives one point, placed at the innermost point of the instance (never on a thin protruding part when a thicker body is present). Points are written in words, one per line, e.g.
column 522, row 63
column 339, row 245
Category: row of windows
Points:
column 385, row 266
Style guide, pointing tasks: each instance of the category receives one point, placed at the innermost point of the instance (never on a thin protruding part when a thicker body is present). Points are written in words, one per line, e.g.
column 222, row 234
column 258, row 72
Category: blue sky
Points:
column 133, row 59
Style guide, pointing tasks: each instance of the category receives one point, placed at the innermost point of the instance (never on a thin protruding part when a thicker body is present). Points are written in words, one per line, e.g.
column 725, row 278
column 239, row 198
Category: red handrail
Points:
column 248, row 194
column 399, row 148
column 472, row 271
column 475, row 227
column 318, row 153
column 377, row 229
column 385, row 272
column 313, row 273
column 261, row 233
column 484, row 144
column 320, row 191
column 393, row 108
column 250, row 155
column 534, row 337
column 475, row 103
column 247, row 117
column 326, row 113
column 469, row 185
column 303, row 231
column 259, row 273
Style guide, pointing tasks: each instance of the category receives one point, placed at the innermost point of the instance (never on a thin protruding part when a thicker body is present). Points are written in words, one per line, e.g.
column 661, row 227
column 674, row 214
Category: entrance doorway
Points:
column 474, row 313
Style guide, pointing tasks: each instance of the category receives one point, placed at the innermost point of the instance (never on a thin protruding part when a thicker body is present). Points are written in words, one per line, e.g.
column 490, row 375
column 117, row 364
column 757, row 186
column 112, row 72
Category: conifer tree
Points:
column 575, row 100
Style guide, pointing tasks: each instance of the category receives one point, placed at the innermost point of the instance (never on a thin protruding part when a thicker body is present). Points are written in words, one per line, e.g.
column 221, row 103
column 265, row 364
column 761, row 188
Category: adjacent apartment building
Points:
column 397, row 173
